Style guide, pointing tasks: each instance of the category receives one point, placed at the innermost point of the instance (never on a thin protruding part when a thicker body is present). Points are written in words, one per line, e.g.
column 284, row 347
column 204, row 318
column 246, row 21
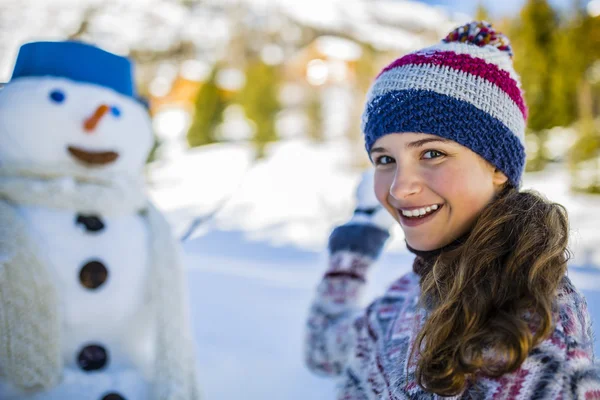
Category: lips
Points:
column 93, row 157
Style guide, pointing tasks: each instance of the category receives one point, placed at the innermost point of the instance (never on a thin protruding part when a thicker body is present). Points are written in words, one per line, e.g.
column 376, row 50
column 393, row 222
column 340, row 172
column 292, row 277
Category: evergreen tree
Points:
column 585, row 153
column 314, row 114
column 534, row 39
column 565, row 78
column 366, row 68
column 208, row 112
column 574, row 52
column 260, row 99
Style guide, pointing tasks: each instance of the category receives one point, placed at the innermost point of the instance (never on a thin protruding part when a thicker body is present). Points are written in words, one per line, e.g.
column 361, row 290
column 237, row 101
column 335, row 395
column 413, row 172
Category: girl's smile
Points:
column 417, row 216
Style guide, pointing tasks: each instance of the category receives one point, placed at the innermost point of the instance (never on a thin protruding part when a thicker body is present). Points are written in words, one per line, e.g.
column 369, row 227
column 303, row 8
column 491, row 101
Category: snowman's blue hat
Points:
column 77, row 61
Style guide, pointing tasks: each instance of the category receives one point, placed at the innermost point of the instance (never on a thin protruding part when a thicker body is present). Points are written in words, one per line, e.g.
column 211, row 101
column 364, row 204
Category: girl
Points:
column 487, row 312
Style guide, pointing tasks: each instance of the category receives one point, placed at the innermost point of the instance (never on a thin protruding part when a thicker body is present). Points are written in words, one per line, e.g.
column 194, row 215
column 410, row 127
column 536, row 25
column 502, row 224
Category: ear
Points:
column 499, row 179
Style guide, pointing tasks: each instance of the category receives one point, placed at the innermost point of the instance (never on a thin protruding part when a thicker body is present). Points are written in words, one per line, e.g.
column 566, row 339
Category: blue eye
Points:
column 115, row 111
column 57, row 96
column 433, row 154
column 384, row 160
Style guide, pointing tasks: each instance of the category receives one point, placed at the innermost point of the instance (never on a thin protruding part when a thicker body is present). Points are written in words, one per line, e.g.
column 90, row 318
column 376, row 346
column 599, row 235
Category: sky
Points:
column 496, row 8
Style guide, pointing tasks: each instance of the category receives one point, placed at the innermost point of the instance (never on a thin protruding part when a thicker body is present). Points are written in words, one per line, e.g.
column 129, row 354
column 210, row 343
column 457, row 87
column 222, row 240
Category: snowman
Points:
column 93, row 300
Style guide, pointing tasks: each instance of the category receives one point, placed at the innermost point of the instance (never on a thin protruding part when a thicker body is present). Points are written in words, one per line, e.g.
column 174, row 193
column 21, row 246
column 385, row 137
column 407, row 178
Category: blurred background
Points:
column 256, row 107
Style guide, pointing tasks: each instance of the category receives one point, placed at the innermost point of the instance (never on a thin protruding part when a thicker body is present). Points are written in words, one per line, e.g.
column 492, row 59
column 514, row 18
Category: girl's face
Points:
column 434, row 187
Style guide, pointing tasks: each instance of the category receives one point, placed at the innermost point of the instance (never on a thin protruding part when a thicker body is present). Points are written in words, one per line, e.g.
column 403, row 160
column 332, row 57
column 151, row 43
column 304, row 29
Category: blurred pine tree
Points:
column 367, row 66
column 534, row 38
column 314, row 115
column 573, row 54
column 208, row 112
column 260, row 99
column 585, row 153
column 584, row 160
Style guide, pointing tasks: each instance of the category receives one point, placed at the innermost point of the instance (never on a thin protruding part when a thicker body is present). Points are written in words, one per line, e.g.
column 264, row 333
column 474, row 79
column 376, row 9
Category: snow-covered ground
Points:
column 253, row 267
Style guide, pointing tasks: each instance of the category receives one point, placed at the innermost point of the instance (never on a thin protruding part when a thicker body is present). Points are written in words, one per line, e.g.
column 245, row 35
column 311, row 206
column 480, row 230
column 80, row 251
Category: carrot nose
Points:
column 90, row 124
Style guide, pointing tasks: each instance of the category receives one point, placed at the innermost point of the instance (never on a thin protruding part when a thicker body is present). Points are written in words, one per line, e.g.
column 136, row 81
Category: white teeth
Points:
column 420, row 211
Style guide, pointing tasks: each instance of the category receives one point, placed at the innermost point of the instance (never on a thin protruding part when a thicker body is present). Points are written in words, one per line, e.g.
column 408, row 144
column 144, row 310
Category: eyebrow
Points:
column 422, row 142
column 377, row 150
column 412, row 145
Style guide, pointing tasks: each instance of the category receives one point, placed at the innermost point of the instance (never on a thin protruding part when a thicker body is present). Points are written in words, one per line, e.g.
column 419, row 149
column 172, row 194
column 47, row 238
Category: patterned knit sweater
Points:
column 368, row 350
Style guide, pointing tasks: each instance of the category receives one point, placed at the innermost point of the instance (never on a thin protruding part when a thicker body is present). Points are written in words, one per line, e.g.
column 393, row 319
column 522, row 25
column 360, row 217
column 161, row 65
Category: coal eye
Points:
column 57, row 96
column 115, row 111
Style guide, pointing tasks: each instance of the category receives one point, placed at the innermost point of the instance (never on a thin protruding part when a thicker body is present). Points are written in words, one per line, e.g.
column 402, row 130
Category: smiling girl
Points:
column 487, row 312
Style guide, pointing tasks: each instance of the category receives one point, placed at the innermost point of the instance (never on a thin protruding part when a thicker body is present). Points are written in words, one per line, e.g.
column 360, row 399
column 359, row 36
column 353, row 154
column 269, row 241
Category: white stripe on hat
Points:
column 488, row 53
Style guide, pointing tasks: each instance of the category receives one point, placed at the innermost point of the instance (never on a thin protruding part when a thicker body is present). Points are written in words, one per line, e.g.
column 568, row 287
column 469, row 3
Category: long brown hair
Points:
column 491, row 298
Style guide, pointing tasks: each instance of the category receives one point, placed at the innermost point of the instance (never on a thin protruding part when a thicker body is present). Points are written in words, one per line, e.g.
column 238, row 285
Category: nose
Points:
column 90, row 123
column 406, row 183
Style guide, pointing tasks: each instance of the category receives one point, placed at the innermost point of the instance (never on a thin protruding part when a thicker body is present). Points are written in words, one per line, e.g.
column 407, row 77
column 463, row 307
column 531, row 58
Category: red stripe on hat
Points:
column 469, row 64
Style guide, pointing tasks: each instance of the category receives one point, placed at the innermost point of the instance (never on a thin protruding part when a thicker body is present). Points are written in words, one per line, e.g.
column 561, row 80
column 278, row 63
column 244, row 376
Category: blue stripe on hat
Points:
column 426, row 111
column 76, row 61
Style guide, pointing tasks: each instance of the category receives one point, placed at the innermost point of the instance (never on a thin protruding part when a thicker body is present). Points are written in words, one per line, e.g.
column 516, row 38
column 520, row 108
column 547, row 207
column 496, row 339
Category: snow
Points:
column 253, row 268
column 178, row 184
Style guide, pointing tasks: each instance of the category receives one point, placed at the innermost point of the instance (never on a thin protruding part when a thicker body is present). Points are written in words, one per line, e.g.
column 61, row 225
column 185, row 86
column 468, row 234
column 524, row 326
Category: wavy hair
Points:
column 491, row 299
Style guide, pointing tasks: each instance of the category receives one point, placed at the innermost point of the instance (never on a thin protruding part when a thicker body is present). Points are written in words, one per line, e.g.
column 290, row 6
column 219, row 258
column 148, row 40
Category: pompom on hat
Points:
column 464, row 89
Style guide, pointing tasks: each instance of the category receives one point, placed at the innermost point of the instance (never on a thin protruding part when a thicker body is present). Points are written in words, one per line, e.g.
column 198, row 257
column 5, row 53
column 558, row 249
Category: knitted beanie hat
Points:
column 464, row 89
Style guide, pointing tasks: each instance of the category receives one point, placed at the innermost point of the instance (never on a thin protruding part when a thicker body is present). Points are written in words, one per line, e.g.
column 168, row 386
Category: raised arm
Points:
column 353, row 248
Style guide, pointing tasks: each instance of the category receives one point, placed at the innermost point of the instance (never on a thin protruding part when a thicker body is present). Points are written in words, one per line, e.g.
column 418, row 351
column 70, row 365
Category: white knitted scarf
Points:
column 30, row 321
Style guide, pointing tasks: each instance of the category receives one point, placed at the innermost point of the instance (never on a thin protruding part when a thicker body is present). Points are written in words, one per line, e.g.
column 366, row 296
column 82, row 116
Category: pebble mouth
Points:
column 93, row 157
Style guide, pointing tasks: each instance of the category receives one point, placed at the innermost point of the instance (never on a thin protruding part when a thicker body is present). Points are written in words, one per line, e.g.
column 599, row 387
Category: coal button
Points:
column 93, row 274
column 92, row 358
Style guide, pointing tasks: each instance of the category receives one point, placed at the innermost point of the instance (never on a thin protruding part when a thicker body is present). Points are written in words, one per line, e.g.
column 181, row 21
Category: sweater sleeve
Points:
column 352, row 250
column 581, row 373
